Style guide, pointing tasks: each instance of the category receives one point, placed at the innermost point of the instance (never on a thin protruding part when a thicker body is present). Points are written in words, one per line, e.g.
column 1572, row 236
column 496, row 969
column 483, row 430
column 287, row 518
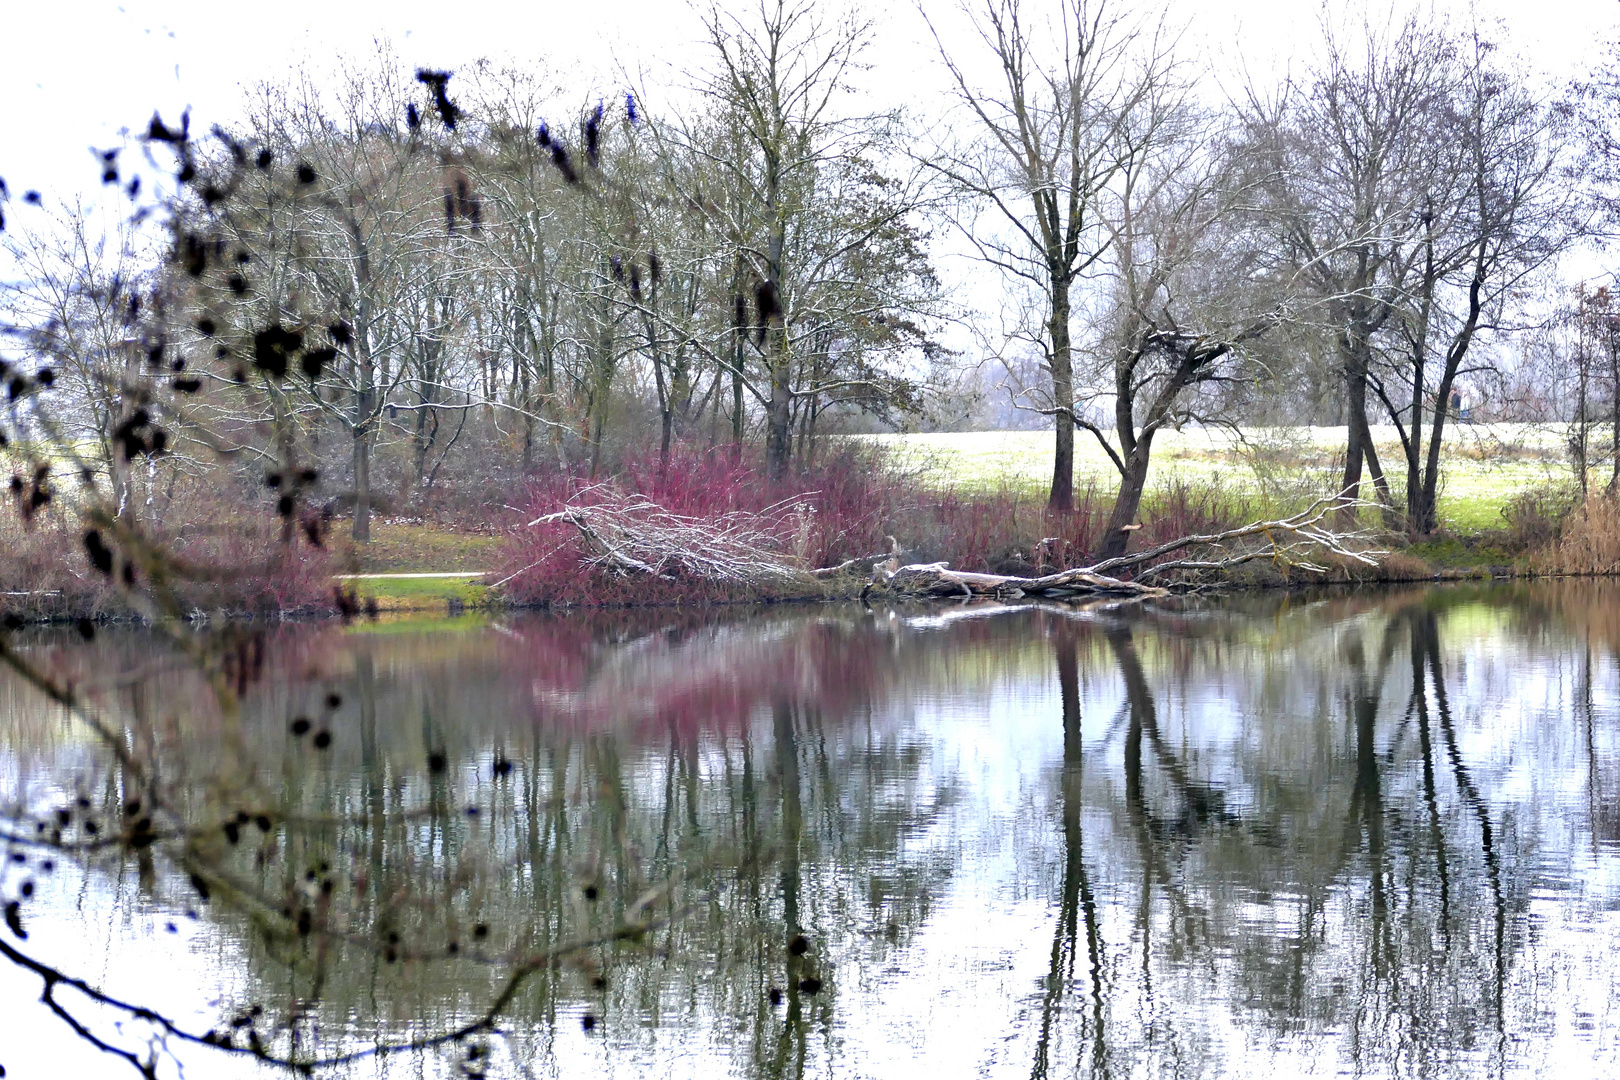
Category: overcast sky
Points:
column 77, row 71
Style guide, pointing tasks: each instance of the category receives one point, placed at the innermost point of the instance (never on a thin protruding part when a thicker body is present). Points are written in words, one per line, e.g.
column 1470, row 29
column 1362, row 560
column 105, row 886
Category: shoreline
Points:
column 450, row 607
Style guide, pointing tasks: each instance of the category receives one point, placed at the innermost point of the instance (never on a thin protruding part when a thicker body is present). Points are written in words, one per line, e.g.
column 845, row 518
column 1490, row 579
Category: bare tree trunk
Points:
column 1375, row 470
column 360, row 430
column 527, row 399
column 360, row 426
column 362, row 486
column 1425, row 514
column 1355, row 404
column 1579, row 440
column 1061, row 499
column 1132, row 483
column 1614, row 411
column 773, row 324
column 602, row 380
column 118, row 460
column 1359, row 450
column 1428, row 516
column 738, row 345
column 778, row 410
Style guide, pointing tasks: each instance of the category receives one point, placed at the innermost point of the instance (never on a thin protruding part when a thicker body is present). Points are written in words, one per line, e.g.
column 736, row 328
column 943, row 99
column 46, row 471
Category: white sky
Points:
column 76, row 71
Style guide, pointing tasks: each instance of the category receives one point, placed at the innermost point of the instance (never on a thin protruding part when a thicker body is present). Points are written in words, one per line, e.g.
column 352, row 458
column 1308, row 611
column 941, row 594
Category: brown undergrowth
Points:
column 1588, row 541
column 216, row 555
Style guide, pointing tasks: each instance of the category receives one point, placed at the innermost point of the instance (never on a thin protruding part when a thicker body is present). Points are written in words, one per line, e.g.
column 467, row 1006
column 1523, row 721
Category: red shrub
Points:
column 853, row 500
column 1179, row 510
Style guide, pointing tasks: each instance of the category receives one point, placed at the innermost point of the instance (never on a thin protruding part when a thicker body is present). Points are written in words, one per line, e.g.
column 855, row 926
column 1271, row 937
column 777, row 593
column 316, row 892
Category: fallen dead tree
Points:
column 630, row 534
column 1299, row 542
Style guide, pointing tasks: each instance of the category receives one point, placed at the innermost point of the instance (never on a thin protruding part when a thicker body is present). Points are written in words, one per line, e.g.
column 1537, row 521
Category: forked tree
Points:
column 1049, row 125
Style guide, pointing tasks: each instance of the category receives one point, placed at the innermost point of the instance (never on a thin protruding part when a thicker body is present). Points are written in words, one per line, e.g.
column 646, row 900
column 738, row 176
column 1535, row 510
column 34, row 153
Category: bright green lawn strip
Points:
column 469, row 591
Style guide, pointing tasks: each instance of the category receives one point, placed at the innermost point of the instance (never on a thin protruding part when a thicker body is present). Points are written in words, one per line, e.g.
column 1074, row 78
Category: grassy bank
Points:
column 976, row 500
column 420, row 592
column 1483, row 466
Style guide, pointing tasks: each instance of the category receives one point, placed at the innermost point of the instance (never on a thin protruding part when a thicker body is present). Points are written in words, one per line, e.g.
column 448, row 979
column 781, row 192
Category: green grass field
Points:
column 400, row 548
column 1482, row 467
column 404, row 593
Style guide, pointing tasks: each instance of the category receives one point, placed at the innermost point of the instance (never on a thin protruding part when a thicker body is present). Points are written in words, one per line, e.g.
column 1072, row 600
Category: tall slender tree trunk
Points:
column 362, row 484
column 739, row 346
column 526, row 397
column 1614, row 410
column 1359, row 450
column 1425, row 515
column 1355, row 406
column 1061, row 499
column 1415, row 486
column 360, row 428
column 778, row 410
column 361, row 425
column 1419, row 517
column 602, row 379
column 118, row 461
column 739, row 350
column 1428, row 516
column 1579, row 441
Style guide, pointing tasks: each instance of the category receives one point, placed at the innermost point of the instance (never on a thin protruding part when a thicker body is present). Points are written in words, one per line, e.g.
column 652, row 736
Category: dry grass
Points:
column 1589, row 542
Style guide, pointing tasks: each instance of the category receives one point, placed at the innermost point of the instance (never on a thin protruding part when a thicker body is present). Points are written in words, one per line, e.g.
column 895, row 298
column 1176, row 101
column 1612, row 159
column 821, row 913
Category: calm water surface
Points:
column 1370, row 835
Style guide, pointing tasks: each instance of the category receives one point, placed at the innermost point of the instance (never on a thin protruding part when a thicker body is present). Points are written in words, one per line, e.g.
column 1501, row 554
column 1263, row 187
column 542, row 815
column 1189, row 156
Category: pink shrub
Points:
column 843, row 506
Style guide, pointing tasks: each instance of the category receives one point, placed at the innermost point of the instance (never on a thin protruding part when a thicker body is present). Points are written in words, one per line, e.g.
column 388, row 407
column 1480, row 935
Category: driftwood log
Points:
column 633, row 535
column 1298, row 542
column 938, row 579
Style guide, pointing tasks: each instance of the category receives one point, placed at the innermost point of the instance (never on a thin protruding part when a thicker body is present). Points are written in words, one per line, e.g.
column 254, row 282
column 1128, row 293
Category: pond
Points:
column 1369, row 834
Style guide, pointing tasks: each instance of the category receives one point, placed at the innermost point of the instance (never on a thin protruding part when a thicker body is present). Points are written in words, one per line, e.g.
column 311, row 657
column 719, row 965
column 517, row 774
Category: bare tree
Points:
column 337, row 232
column 1491, row 215
column 1346, row 156
column 820, row 232
column 79, row 280
column 1594, row 356
column 1595, row 103
column 1188, row 292
column 1050, row 129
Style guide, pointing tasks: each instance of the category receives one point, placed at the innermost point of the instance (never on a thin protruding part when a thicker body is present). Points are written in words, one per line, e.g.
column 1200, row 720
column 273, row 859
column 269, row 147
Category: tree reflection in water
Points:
column 1371, row 833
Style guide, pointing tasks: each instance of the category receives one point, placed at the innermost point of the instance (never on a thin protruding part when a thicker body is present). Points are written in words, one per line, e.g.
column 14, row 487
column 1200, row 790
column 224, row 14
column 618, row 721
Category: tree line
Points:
column 462, row 279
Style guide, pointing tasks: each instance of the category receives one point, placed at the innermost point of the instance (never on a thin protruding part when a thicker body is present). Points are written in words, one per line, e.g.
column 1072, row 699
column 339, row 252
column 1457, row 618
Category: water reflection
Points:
column 1376, row 835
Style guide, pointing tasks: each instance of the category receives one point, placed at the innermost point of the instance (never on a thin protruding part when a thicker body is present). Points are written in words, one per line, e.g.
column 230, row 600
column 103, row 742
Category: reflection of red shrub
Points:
column 690, row 676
